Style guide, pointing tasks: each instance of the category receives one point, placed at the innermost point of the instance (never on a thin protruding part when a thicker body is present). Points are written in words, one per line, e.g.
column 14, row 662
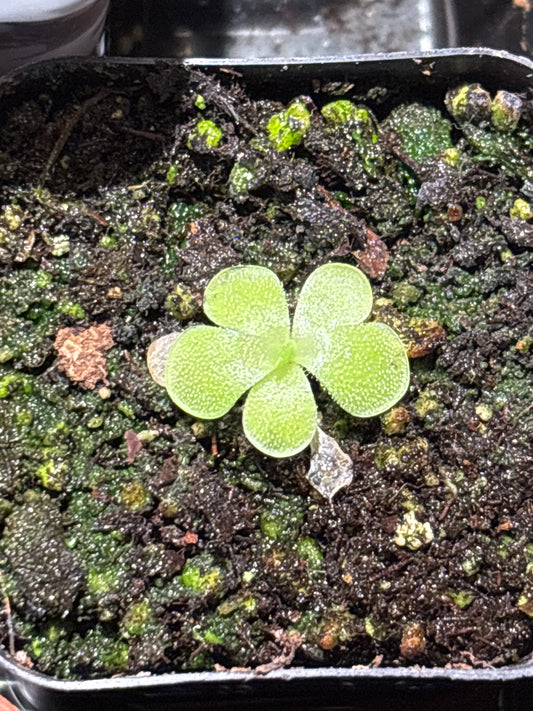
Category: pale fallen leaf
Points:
column 156, row 356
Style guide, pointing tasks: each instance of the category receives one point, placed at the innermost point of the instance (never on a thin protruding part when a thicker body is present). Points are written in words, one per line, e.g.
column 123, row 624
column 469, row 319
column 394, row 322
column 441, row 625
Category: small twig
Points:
column 445, row 510
column 402, row 487
column 525, row 411
column 394, row 568
column 65, row 134
column 213, row 92
column 99, row 218
column 392, row 142
column 150, row 135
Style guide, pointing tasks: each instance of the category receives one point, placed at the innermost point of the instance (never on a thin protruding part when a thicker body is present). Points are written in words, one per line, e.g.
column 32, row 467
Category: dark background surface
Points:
column 222, row 28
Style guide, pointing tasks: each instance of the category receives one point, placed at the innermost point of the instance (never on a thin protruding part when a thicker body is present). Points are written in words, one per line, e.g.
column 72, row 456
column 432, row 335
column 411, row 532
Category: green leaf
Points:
column 248, row 299
column 334, row 295
column 209, row 368
column 365, row 368
column 279, row 416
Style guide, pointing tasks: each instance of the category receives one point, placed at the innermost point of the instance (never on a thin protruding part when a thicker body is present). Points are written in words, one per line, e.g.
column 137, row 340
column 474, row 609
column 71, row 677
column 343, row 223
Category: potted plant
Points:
column 141, row 539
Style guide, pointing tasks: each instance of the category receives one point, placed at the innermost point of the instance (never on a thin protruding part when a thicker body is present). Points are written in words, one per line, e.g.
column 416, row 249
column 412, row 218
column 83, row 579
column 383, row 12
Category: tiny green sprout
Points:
column 521, row 210
column 287, row 128
column 342, row 111
column 199, row 102
column 208, row 132
column 363, row 366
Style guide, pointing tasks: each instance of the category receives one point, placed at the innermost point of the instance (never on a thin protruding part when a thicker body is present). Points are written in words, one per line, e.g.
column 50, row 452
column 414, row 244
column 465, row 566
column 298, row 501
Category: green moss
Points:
column 407, row 457
column 104, row 580
column 452, row 156
column 181, row 304
column 207, row 132
column 43, row 279
column 427, row 404
column 180, row 215
column 405, row 294
column 521, row 210
column 343, row 111
column 218, row 630
column 376, row 630
column 59, row 244
column 394, row 421
column 469, row 102
column 203, row 574
column 281, row 518
column 506, row 110
column 423, row 130
column 246, row 604
column 287, row 128
column 462, row 598
column 116, row 656
column 525, row 602
column 126, row 408
column 135, row 496
column 309, row 550
column 192, row 578
column 509, row 151
column 199, row 102
column 72, row 309
column 138, row 618
column 53, row 475
column 503, row 545
column 241, row 179
column 108, row 241
column 412, row 533
column 12, row 381
column 171, row 175
column 471, row 563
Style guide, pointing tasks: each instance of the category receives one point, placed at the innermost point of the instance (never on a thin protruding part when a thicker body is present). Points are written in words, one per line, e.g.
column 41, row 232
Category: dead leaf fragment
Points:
column 373, row 259
column 82, row 353
column 133, row 445
column 427, row 335
column 289, row 643
column 23, row 659
column 419, row 335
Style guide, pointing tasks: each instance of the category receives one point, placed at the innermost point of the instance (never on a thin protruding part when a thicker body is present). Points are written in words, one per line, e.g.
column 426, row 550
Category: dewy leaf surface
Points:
column 209, row 368
column 279, row 416
column 334, row 295
column 365, row 369
column 248, row 299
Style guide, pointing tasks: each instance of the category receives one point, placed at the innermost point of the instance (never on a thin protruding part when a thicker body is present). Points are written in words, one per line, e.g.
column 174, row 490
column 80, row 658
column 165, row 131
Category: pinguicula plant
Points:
column 253, row 347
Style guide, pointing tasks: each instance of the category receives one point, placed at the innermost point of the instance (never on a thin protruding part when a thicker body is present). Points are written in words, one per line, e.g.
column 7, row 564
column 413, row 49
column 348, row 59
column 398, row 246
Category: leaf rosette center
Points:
column 253, row 348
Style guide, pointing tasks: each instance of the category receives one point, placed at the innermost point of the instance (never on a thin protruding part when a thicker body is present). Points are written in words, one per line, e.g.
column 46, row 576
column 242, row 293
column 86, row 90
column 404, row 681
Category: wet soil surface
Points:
column 136, row 538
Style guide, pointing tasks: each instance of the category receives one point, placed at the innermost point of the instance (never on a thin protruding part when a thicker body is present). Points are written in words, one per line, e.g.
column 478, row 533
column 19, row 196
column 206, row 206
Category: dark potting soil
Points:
column 136, row 538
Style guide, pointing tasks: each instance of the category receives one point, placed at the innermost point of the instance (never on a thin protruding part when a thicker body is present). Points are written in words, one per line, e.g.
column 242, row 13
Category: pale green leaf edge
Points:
column 400, row 390
column 236, row 298
column 295, row 392
column 212, row 364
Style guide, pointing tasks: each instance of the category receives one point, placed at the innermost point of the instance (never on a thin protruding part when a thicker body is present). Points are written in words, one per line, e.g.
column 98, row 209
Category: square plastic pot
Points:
column 425, row 77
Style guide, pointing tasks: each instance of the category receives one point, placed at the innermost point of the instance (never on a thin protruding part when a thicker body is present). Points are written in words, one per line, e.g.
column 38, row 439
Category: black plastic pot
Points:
column 424, row 77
